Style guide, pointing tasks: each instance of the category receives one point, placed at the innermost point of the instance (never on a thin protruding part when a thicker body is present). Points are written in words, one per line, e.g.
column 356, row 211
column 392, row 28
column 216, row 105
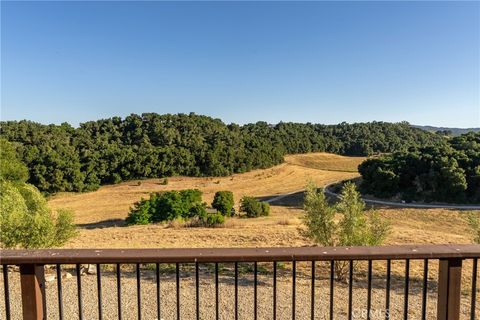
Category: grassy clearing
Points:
column 326, row 161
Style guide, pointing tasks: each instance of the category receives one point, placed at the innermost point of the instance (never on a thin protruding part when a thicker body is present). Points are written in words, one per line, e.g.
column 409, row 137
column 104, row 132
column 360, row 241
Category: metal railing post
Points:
column 32, row 279
column 449, row 289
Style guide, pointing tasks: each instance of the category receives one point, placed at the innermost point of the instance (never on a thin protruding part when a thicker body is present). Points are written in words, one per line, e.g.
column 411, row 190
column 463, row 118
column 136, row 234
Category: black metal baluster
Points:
column 255, row 306
column 236, row 290
column 369, row 289
column 350, row 290
column 294, row 276
column 474, row 289
column 332, row 278
column 59, row 292
column 387, row 290
column 197, row 291
column 43, row 285
column 157, row 271
column 139, row 293
column 79, row 292
column 177, row 275
column 407, row 283
column 424, row 289
column 119, row 293
column 6, row 288
column 99, row 291
column 274, row 290
column 217, row 314
column 312, row 293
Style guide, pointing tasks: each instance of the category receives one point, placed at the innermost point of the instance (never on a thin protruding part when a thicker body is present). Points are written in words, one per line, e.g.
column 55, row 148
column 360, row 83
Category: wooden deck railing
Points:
column 449, row 277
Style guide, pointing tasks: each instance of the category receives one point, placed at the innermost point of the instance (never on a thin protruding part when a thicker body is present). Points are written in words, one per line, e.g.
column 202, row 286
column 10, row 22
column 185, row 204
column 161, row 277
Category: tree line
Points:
column 64, row 158
column 447, row 172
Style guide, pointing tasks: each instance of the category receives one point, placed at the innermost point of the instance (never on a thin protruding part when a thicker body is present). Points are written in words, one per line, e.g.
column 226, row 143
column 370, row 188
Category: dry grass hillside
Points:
column 113, row 202
column 325, row 161
column 100, row 214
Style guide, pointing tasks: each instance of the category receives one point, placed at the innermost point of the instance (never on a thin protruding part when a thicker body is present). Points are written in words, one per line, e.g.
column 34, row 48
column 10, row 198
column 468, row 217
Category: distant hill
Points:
column 454, row 131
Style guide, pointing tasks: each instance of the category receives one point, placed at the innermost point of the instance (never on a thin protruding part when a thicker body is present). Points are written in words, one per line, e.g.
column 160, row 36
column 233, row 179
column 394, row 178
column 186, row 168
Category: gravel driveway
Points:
column 226, row 289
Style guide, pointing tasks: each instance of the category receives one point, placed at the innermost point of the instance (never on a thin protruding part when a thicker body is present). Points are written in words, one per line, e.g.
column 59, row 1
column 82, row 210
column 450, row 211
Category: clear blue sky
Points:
column 317, row 62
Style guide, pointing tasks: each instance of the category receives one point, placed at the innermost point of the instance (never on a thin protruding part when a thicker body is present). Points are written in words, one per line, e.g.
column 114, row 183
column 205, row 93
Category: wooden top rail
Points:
column 72, row 256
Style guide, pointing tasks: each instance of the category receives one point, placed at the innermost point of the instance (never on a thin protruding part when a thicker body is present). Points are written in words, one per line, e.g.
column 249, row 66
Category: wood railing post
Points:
column 32, row 279
column 449, row 289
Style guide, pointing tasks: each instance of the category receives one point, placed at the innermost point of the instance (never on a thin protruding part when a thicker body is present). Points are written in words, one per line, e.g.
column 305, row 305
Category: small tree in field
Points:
column 254, row 208
column 356, row 226
column 319, row 217
column 223, row 202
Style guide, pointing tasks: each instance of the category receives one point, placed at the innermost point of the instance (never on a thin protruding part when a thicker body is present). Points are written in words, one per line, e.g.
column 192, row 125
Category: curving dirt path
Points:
column 407, row 205
column 384, row 203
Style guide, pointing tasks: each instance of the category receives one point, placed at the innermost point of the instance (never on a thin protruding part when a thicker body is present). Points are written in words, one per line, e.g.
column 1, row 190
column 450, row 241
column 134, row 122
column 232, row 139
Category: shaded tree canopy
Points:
column 448, row 173
column 64, row 158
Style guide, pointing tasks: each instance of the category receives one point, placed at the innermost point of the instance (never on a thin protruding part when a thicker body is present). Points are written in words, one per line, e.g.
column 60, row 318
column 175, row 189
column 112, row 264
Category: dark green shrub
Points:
column 254, row 208
column 141, row 213
column 265, row 208
column 190, row 197
column 168, row 206
column 164, row 182
column 223, row 202
column 198, row 210
column 213, row 219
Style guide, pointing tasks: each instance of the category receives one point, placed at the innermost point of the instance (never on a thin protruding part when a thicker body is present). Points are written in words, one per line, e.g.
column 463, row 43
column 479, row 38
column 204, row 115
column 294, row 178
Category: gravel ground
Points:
column 226, row 288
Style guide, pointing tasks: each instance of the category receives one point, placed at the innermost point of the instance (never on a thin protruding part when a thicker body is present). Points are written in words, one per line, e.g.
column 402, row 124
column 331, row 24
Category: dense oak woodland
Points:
column 64, row 158
column 446, row 173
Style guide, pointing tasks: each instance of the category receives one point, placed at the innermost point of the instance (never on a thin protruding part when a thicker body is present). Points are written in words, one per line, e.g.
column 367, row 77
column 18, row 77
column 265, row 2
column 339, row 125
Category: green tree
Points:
column 11, row 169
column 254, row 208
column 358, row 227
column 447, row 172
column 355, row 227
column 25, row 219
column 319, row 217
column 223, row 202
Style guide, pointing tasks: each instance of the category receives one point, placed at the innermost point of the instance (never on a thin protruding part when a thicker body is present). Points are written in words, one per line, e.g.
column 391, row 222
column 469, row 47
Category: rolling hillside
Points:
column 113, row 201
column 100, row 213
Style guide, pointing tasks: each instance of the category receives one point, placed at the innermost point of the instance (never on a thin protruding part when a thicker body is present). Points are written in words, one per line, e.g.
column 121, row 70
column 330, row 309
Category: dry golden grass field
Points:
column 100, row 214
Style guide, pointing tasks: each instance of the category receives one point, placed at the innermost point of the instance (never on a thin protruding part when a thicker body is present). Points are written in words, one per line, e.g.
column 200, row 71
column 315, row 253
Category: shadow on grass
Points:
column 103, row 224
column 294, row 200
